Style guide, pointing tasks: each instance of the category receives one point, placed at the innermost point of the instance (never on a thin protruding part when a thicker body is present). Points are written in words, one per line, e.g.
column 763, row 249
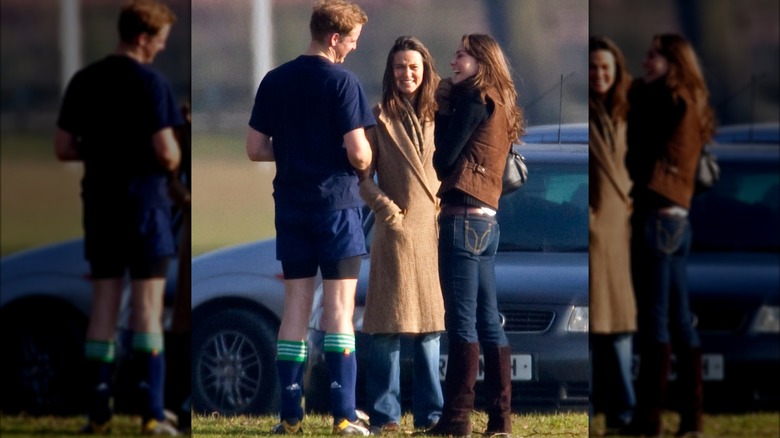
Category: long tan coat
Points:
column 404, row 294
column 612, row 302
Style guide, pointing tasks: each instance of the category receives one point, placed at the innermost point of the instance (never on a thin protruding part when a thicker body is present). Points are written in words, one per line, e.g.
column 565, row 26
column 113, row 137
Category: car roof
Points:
column 749, row 133
column 576, row 133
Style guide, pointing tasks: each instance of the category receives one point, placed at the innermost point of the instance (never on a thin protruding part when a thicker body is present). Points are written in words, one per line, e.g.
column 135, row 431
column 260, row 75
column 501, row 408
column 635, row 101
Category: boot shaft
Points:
column 461, row 376
column 498, row 388
column 691, row 396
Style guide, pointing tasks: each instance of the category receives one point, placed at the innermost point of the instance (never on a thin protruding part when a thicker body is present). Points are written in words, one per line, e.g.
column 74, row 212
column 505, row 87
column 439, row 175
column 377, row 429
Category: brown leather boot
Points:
column 651, row 389
column 462, row 368
column 691, row 397
column 498, row 389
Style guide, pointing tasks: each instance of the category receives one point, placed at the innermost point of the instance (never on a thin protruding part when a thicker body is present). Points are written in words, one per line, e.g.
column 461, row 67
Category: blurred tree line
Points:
column 209, row 59
column 738, row 43
column 543, row 39
column 31, row 60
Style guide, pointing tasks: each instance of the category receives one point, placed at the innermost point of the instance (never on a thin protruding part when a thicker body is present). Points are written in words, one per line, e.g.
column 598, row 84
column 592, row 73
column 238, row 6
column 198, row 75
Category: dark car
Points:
column 542, row 282
column 734, row 271
column 542, row 271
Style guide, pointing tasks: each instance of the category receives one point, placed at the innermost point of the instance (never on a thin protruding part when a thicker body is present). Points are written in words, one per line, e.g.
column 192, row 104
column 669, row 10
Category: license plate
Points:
column 712, row 367
column 520, row 367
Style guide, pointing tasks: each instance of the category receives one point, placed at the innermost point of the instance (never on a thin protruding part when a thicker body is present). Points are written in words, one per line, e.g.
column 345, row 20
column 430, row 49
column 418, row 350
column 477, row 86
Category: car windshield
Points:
column 741, row 212
column 549, row 213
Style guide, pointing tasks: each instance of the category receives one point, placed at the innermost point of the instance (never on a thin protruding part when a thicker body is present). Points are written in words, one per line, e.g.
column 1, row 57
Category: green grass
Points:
column 40, row 197
column 562, row 425
column 741, row 425
column 569, row 424
column 27, row 426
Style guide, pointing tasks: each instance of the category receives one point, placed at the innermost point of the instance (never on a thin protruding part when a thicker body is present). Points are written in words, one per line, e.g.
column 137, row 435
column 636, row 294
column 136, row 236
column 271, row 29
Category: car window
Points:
column 549, row 213
column 741, row 212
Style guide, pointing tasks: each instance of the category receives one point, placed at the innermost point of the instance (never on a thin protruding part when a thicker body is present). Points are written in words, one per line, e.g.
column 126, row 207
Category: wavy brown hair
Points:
column 335, row 16
column 685, row 73
column 424, row 104
column 616, row 101
column 494, row 71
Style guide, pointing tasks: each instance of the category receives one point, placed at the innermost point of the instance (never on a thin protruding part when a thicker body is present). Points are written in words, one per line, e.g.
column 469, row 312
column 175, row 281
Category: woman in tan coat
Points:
column 612, row 303
column 404, row 295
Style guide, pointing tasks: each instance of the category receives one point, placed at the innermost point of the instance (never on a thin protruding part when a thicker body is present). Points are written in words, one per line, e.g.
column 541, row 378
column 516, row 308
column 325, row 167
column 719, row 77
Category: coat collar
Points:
column 401, row 141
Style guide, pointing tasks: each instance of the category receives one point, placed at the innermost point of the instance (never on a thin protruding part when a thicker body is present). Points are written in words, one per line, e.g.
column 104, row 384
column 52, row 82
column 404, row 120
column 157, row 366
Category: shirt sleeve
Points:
column 452, row 132
column 166, row 111
column 261, row 119
column 69, row 110
column 354, row 110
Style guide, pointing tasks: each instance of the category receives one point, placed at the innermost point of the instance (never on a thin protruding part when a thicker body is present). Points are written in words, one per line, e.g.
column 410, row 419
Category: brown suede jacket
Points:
column 479, row 156
column 664, row 143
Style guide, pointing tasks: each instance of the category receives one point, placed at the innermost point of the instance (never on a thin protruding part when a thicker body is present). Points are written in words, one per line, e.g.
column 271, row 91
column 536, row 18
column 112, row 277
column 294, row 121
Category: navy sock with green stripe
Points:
column 340, row 357
column 100, row 360
column 290, row 364
column 149, row 356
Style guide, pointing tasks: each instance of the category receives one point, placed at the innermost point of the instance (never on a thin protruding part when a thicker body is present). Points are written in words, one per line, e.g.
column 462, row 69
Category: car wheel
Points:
column 234, row 371
column 41, row 371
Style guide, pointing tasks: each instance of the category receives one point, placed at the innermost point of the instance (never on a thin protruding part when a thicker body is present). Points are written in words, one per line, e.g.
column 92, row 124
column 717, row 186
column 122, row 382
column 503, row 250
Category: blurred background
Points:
column 43, row 43
column 219, row 49
column 738, row 43
column 234, row 42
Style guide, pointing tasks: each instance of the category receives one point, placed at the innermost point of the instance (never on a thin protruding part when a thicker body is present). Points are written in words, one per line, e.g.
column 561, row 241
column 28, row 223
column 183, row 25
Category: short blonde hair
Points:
column 143, row 16
column 335, row 16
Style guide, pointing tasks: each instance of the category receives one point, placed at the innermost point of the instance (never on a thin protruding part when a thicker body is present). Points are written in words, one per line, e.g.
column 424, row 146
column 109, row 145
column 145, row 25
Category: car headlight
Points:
column 767, row 320
column 578, row 321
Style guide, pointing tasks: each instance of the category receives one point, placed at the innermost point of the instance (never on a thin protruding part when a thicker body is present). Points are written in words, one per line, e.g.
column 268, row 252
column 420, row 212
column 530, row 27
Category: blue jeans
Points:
column 613, row 386
column 660, row 248
column 467, row 253
column 383, row 381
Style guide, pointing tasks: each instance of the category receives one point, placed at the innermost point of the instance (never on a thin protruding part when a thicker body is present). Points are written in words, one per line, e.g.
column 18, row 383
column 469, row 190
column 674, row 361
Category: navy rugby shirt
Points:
column 306, row 106
column 113, row 107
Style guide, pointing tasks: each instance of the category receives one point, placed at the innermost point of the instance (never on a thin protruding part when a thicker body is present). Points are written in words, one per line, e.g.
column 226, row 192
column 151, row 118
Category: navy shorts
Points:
column 305, row 237
column 140, row 269
column 142, row 244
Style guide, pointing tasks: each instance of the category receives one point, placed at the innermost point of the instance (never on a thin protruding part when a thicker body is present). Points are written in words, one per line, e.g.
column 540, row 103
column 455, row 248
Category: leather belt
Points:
column 461, row 210
column 674, row 211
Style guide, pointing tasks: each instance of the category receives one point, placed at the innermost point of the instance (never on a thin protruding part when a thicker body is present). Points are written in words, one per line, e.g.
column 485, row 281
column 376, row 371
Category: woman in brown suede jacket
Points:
column 477, row 121
column 669, row 122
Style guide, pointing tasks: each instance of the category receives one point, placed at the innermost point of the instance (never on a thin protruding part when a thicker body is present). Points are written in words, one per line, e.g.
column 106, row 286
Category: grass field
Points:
column 39, row 196
column 231, row 196
column 40, row 202
column 564, row 425
column 748, row 425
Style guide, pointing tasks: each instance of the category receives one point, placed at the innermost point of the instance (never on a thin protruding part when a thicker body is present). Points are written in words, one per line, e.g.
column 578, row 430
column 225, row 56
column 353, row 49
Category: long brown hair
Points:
column 616, row 101
column 425, row 104
column 494, row 71
column 685, row 73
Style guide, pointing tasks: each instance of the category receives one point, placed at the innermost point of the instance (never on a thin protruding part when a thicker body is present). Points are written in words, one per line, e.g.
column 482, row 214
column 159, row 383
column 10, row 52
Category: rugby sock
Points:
column 290, row 364
column 340, row 357
column 150, row 365
column 100, row 360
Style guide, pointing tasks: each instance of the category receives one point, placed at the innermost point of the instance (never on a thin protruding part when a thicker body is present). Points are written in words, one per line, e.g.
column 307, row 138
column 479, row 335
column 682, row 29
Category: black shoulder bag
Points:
column 515, row 172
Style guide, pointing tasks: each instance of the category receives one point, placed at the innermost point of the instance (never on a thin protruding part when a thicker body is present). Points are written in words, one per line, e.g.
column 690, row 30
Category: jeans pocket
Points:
column 477, row 235
column 668, row 234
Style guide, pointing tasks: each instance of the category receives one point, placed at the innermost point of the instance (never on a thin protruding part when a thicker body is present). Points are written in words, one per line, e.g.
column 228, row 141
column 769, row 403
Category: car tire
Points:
column 233, row 364
column 42, row 366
